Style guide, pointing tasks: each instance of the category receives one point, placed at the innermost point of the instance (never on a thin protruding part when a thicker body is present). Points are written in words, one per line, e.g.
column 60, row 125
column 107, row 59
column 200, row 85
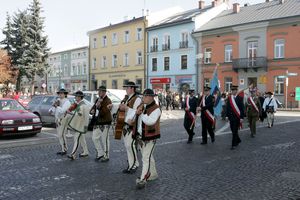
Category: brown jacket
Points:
column 104, row 117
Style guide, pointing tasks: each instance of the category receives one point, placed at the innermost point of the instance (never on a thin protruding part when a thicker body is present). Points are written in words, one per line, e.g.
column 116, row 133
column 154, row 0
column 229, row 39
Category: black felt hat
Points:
column 62, row 90
column 79, row 94
column 149, row 92
column 131, row 84
column 234, row 87
column 102, row 88
column 206, row 88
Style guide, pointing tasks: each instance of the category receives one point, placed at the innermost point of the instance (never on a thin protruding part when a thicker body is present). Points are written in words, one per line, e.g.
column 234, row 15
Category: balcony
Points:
column 154, row 48
column 183, row 44
column 249, row 63
column 165, row 47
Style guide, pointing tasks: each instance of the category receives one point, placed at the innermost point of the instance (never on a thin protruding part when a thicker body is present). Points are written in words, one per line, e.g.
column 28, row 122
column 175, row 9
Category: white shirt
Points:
column 149, row 120
column 60, row 110
column 272, row 103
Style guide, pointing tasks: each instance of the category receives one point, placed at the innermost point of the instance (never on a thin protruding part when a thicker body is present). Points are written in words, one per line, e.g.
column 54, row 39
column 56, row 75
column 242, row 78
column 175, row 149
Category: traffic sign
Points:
column 297, row 95
column 292, row 74
column 44, row 85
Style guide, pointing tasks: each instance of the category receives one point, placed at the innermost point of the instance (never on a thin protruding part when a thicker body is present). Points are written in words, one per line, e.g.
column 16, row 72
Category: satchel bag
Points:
column 92, row 123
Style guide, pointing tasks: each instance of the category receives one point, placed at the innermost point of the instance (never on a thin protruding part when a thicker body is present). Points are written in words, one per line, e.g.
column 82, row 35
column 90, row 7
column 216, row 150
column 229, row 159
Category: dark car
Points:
column 41, row 104
column 16, row 120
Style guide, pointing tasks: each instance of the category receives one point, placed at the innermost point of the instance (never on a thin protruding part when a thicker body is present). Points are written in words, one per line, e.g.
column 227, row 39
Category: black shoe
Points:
column 72, row 157
column 212, row 140
column 132, row 171
column 126, row 171
column 83, row 155
column 98, row 158
column 203, row 143
column 252, row 136
column 61, row 153
column 233, row 148
column 189, row 141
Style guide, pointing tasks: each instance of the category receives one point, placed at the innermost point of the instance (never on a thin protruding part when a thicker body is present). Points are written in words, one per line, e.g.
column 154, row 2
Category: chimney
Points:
column 214, row 3
column 267, row 1
column 201, row 4
column 281, row 1
column 236, row 8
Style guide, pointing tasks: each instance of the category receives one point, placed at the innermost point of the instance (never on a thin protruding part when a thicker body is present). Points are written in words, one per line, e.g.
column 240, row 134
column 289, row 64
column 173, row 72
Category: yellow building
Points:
column 117, row 54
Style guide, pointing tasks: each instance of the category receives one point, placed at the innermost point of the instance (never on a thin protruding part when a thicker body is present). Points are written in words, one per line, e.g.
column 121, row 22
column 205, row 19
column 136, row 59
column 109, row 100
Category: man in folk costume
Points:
column 78, row 115
column 100, row 137
column 206, row 106
column 235, row 114
column 190, row 106
column 59, row 108
column 146, row 131
column 131, row 102
column 270, row 107
column 253, row 110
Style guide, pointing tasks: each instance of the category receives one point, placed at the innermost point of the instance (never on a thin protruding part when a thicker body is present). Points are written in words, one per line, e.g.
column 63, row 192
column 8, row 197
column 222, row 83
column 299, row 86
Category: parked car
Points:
column 115, row 95
column 41, row 104
column 16, row 120
column 24, row 100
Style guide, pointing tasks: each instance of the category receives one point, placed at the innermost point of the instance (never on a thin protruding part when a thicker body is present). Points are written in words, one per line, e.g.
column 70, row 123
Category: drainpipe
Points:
column 198, row 71
column 145, row 55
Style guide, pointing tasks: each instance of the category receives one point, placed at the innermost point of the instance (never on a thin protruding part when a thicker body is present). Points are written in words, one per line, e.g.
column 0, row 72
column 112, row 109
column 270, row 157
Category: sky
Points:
column 68, row 21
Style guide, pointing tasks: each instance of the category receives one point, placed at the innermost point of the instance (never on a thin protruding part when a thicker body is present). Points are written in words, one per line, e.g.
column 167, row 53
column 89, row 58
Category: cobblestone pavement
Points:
column 264, row 167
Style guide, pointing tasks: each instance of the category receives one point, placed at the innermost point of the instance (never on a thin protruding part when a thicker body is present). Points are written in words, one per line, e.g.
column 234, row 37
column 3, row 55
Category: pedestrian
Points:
column 263, row 114
column 206, row 107
column 168, row 100
column 59, row 108
column 129, row 105
column 190, row 106
column 270, row 107
column 223, row 103
column 253, row 110
column 102, row 111
column 235, row 115
column 78, row 122
column 146, row 131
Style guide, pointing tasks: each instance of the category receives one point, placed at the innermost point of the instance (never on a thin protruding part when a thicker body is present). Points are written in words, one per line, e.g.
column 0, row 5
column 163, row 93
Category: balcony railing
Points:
column 183, row 44
column 165, row 47
column 154, row 48
column 249, row 63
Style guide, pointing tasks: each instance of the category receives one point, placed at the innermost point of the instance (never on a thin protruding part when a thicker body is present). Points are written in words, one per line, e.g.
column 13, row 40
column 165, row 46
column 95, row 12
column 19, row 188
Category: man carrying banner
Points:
column 206, row 106
column 253, row 110
column 190, row 106
column 235, row 115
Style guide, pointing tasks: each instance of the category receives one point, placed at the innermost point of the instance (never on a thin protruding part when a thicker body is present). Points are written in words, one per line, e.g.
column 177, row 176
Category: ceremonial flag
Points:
column 215, row 91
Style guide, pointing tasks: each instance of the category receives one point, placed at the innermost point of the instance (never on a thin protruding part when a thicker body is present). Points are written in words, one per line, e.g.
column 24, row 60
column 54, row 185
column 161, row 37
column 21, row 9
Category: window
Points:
column 79, row 69
column 154, row 64
column 84, row 71
column 126, row 59
column 139, row 82
column 94, row 63
column 126, row 36
column 114, row 84
column 166, row 63
column 166, row 44
column 66, row 70
column 139, row 58
column 252, row 53
column 79, row 55
column 206, row 82
column 65, row 56
column 104, row 64
column 125, row 81
column 103, row 83
column 184, row 43
column 207, row 55
column 115, row 61
column 114, row 39
column 139, row 34
column 184, row 62
column 228, row 53
column 228, row 83
column 104, row 41
column 279, row 85
column 154, row 46
column 95, row 43
column 84, row 54
column 73, row 70
column 279, row 48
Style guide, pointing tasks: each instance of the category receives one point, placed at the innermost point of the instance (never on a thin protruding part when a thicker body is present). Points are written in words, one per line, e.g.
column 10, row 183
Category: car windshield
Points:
column 10, row 104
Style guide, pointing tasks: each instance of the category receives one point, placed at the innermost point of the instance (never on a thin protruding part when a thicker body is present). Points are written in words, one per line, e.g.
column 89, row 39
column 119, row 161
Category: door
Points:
column 252, row 80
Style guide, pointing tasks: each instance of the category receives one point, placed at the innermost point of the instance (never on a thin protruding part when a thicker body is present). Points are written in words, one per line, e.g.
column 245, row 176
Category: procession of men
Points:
column 141, row 123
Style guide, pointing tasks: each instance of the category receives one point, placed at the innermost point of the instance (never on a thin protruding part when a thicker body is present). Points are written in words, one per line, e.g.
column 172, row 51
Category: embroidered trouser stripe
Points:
column 101, row 139
column 149, row 168
column 76, row 142
column 79, row 138
column 130, row 150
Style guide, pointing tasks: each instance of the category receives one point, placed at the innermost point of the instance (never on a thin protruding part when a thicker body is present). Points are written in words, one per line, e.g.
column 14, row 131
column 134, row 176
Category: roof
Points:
column 254, row 13
column 185, row 16
column 64, row 51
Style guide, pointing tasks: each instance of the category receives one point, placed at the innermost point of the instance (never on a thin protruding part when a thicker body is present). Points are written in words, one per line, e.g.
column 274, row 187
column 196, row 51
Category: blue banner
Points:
column 215, row 91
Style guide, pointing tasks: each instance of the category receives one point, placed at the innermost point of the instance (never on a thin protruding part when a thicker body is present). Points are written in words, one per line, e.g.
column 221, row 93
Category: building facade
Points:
column 171, row 54
column 254, row 46
column 68, row 69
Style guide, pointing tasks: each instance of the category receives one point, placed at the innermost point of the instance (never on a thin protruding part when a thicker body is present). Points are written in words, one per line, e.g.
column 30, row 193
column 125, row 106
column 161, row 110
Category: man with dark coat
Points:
column 190, row 106
column 206, row 106
column 235, row 115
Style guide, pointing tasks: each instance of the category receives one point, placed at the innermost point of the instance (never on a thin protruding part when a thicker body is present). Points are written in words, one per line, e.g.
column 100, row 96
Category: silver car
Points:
column 41, row 104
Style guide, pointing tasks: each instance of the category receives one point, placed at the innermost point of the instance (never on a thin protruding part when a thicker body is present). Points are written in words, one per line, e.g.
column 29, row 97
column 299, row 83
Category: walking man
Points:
column 129, row 105
column 190, row 106
column 59, row 108
column 235, row 115
column 100, row 137
column 270, row 107
column 253, row 110
column 146, row 131
column 206, row 107
column 78, row 122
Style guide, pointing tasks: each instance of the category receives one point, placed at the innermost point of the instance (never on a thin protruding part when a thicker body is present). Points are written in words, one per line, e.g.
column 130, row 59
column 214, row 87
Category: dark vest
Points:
column 104, row 116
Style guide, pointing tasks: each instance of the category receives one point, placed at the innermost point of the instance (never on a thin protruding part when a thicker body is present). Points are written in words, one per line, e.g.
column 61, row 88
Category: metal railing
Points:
column 183, row 44
column 249, row 63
